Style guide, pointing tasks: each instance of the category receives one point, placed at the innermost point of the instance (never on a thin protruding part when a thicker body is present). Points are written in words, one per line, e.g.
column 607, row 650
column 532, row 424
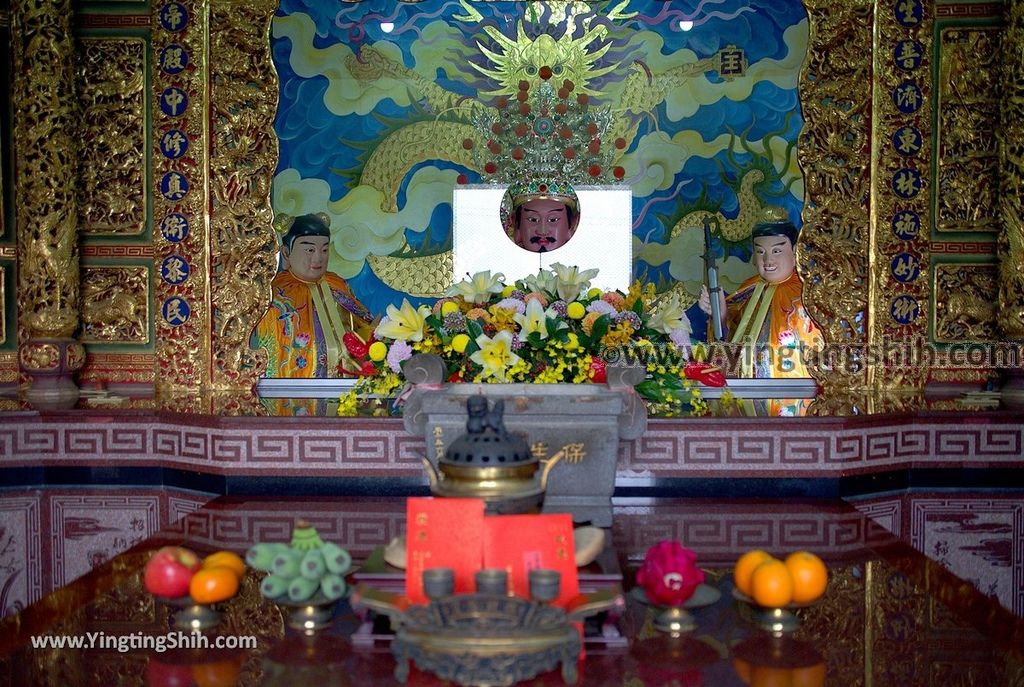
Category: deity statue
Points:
column 311, row 311
column 766, row 313
column 543, row 216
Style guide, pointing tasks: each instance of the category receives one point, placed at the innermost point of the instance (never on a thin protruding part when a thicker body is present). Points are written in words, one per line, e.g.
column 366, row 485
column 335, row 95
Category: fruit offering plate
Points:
column 189, row 615
column 703, row 595
column 777, row 621
column 740, row 596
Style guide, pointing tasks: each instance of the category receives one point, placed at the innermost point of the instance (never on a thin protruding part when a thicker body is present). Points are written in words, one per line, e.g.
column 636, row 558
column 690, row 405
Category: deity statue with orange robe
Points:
column 311, row 309
column 766, row 313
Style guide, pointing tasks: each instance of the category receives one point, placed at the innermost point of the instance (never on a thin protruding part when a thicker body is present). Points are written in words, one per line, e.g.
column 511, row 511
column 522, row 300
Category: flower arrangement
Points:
column 549, row 328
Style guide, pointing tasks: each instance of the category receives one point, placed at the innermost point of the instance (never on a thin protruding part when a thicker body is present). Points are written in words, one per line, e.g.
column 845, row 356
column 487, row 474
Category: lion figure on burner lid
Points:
column 491, row 463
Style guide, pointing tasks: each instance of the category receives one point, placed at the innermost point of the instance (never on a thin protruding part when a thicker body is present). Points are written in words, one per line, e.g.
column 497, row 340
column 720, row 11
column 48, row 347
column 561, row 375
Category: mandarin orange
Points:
column 809, row 676
column 771, row 585
column 227, row 559
column 810, row 576
column 745, row 568
column 211, row 585
column 768, row 676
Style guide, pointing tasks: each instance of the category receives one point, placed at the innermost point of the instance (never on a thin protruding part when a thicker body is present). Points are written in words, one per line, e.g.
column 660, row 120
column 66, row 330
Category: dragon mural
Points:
column 381, row 105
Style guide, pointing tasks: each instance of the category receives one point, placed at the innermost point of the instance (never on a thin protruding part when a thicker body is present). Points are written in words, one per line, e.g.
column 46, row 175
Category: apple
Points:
column 170, row 571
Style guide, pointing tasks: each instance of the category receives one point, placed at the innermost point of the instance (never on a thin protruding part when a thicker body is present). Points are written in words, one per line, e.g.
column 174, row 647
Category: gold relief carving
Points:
column 138, row 368
column 833, row 246
column 75, row 356
column 3, row 290
column 900, row 293
column 965, row 303
column 8, row 367
column 45, row 168
column 112, row 187
column 966, row 187
column 250, row 614
column 39, row 356
column 182, row 342
column 242, row 162
column 115, row 305
column 1010, row 135
column 836, row 626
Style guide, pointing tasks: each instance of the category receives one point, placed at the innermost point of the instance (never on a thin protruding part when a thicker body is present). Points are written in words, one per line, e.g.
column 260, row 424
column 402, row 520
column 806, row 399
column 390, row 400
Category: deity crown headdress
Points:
column 548, row 135
column 774, row 221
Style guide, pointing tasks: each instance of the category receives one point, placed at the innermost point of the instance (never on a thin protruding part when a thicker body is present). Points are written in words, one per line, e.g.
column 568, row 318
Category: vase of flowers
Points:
column 550, row 328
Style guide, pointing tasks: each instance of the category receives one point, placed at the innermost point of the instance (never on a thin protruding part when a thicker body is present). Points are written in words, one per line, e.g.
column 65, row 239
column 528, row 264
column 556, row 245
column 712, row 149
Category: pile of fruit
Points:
column 772, row 583
column 297, row 570
column 175, row 572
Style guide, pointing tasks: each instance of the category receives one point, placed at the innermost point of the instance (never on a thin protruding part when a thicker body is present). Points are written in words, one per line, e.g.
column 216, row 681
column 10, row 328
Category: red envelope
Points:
column 443, row 533
column 520, row 543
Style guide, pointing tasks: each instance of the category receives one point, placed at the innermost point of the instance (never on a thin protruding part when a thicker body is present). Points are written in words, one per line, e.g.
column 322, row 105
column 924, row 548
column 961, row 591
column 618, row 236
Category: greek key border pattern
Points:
column 383, row 448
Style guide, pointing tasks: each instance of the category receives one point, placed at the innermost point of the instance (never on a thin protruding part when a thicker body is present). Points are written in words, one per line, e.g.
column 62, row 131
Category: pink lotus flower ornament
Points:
column 669, row 575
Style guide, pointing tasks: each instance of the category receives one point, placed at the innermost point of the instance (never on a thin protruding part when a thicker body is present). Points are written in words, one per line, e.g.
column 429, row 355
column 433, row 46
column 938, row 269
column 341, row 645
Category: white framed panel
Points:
column 603, row 238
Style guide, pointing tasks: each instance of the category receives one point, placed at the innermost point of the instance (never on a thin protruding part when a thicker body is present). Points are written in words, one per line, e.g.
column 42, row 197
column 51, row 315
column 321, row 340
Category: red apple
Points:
column 170, row 570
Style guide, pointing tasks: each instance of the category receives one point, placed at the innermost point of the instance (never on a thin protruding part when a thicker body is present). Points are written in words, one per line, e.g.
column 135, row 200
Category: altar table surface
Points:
column 892, row 615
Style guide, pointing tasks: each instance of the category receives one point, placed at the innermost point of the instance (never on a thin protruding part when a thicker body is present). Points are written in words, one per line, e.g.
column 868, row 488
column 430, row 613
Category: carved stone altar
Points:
column 586, row 421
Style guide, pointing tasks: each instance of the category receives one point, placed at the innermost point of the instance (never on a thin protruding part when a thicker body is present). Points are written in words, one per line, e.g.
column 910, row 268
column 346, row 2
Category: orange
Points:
column 771, row 585
column 810, row 676
column 742, row 669
column 216, row 674
column 227, row 559
column 745, row 568
column 767, row 676
column 211, row 585
column 810, row 576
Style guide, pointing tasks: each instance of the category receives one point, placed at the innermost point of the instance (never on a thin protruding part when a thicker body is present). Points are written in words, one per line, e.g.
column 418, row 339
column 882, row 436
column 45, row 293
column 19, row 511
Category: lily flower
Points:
column 571, row 281
column 403, row 324
column 533, row 320
column 479, row 287
column 669, row 315
column 544, row 281
column 495, row 355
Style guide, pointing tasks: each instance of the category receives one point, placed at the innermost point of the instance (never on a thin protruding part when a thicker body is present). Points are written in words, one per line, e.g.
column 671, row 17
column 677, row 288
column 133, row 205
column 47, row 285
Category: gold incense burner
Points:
column 491, row 463
column 485, row 640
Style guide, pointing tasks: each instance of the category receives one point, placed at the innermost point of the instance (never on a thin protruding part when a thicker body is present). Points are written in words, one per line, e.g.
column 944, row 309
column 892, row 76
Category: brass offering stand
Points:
column 486, row 638
column 310, row 615
column 677, row 620
column 776, row 621
column 187, row 615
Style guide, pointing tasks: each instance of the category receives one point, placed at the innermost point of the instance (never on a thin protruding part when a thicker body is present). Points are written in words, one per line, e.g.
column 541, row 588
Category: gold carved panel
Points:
column 968, row 104
column 835, row 155
column 112, row 135
column 115, row 304
column 3, row 300
column 966, row 302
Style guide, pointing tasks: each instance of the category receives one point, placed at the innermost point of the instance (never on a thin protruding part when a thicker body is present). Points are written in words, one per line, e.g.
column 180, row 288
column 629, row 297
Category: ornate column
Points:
column 1010, row 137
column 46, row 206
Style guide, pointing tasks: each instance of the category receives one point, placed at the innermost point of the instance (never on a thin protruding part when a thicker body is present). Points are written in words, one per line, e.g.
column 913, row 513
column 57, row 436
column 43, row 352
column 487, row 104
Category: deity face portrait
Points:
column 543, row 225
column 307, row 258
column 774, row 258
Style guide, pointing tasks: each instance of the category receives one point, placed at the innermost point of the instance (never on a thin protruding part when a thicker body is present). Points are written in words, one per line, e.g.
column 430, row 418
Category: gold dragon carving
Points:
column 1011, row 173
column 512, row 60
column 242, row 162
column 966, row 298
column 45, row 143
column 967, row 181
column 112, row 188
column 115, row 304
column 833, row 248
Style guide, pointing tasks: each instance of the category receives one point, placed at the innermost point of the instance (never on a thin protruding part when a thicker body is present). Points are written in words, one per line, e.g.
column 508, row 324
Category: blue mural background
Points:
column 713, row 144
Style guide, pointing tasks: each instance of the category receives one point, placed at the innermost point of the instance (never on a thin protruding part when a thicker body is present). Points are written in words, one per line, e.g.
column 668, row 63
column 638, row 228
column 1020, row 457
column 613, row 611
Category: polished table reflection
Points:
column 891, row 615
